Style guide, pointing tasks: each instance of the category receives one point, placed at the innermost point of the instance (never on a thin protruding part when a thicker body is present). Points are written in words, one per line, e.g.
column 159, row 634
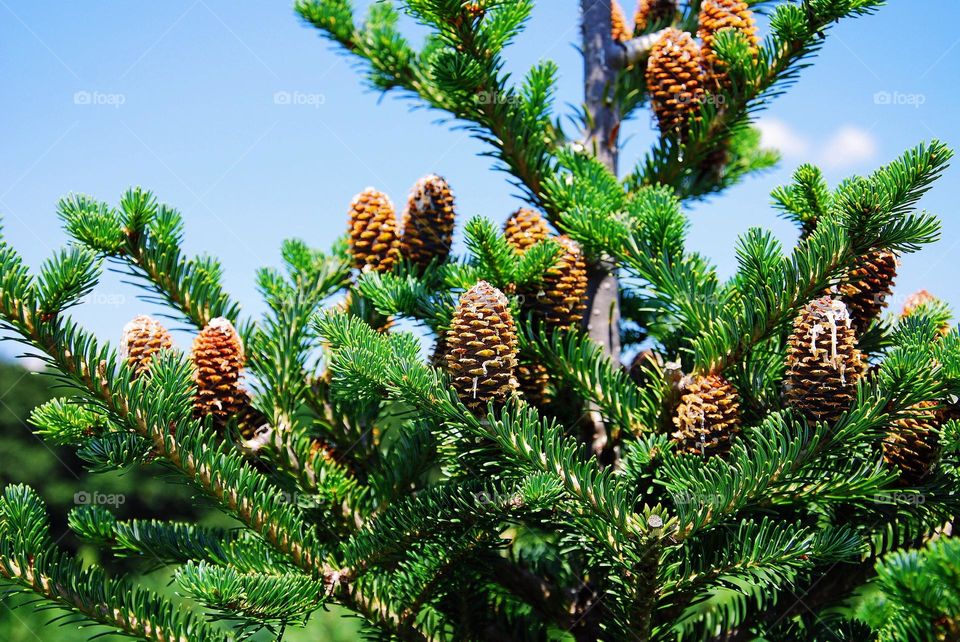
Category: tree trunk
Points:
column 603, row 125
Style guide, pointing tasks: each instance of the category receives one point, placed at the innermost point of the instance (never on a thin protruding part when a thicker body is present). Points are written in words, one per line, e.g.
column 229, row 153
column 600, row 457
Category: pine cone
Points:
column 428, row 222
column 373, row 231
column 561, row 297
column 218, row 360
column 675, row 81
column 525, row 228
column 142, row 338
column 618, row 23
column 716, row 15
column 823, row 363
column 653, row 13
column 915, row 300
column 644, row 360
column 868, row 286
column 911, row 444
column 482, row 348
column 534, row 381
column 708, row 416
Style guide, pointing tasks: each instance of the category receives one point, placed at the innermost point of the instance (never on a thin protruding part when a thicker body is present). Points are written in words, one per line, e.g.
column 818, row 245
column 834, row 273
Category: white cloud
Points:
column 847, row 147
column 779, row 135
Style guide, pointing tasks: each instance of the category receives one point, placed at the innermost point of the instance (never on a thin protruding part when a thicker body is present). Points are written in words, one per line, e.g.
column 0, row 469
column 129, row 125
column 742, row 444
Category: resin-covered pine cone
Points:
column 560, row 299
column 823, row 363
column 218, row 360
column 911, row 445
column 708, row 417
column 867, row 287
column 142, row 338
column 373, row 231
column 481, row 348
column 428, row 222
column 525, row 228
column 651, row 14
column 675, row 80
column 716, row 15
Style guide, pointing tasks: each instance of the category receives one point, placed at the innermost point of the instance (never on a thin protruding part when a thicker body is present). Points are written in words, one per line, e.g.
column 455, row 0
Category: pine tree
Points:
column 764, row 446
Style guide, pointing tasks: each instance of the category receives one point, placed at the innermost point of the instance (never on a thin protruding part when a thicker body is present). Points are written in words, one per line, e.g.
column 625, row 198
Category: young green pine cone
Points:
column 618, row 23
column 525, row 228
column 716, row 15
column 373, row 231
column 867, row 287
column 675, row 81
column 653, row 13
column 911, row 445
column 823, row 363
column 481, row 348
column 561, row 297
column 218, row 360
column 142, row 338
column 428, row 222
column 708, row 417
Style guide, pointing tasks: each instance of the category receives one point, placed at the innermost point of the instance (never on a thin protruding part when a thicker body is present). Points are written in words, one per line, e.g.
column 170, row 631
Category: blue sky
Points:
column 257, row 130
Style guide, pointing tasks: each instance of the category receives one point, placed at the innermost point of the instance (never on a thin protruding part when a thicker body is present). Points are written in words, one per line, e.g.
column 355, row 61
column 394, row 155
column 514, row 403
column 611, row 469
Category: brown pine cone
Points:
column 218, row 360
column 428, row 222
column 373, row 231
column 643, row 361
column 867, row 287
column 823, row 363
column 525, row 228
column 653, row 13
column 481, row 348
column 560, row 299
column 911, row 445
column 142, row 338
column 618, row 23
column 534, row 381
column 716, row 15
column 708, row 417
column 675, row 81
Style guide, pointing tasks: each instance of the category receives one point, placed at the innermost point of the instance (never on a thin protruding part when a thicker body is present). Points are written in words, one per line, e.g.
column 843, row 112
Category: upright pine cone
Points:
column 142, row 338
column 218, row 360
column 823, row 363
column 373, row 231
column 428, row 222
column 561, row 298
column 716, row 15
column 534, row 381
column 708, row 417
column 481, row 348
column 915, row 300
column 618, row 23
column 675, row 81
column 911, row 444
column 653, row 13
column 867, row 287
column 525, row 228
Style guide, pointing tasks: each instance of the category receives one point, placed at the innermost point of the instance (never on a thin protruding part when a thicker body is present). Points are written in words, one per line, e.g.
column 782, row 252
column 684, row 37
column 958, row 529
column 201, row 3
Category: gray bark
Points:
column 603, row 125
